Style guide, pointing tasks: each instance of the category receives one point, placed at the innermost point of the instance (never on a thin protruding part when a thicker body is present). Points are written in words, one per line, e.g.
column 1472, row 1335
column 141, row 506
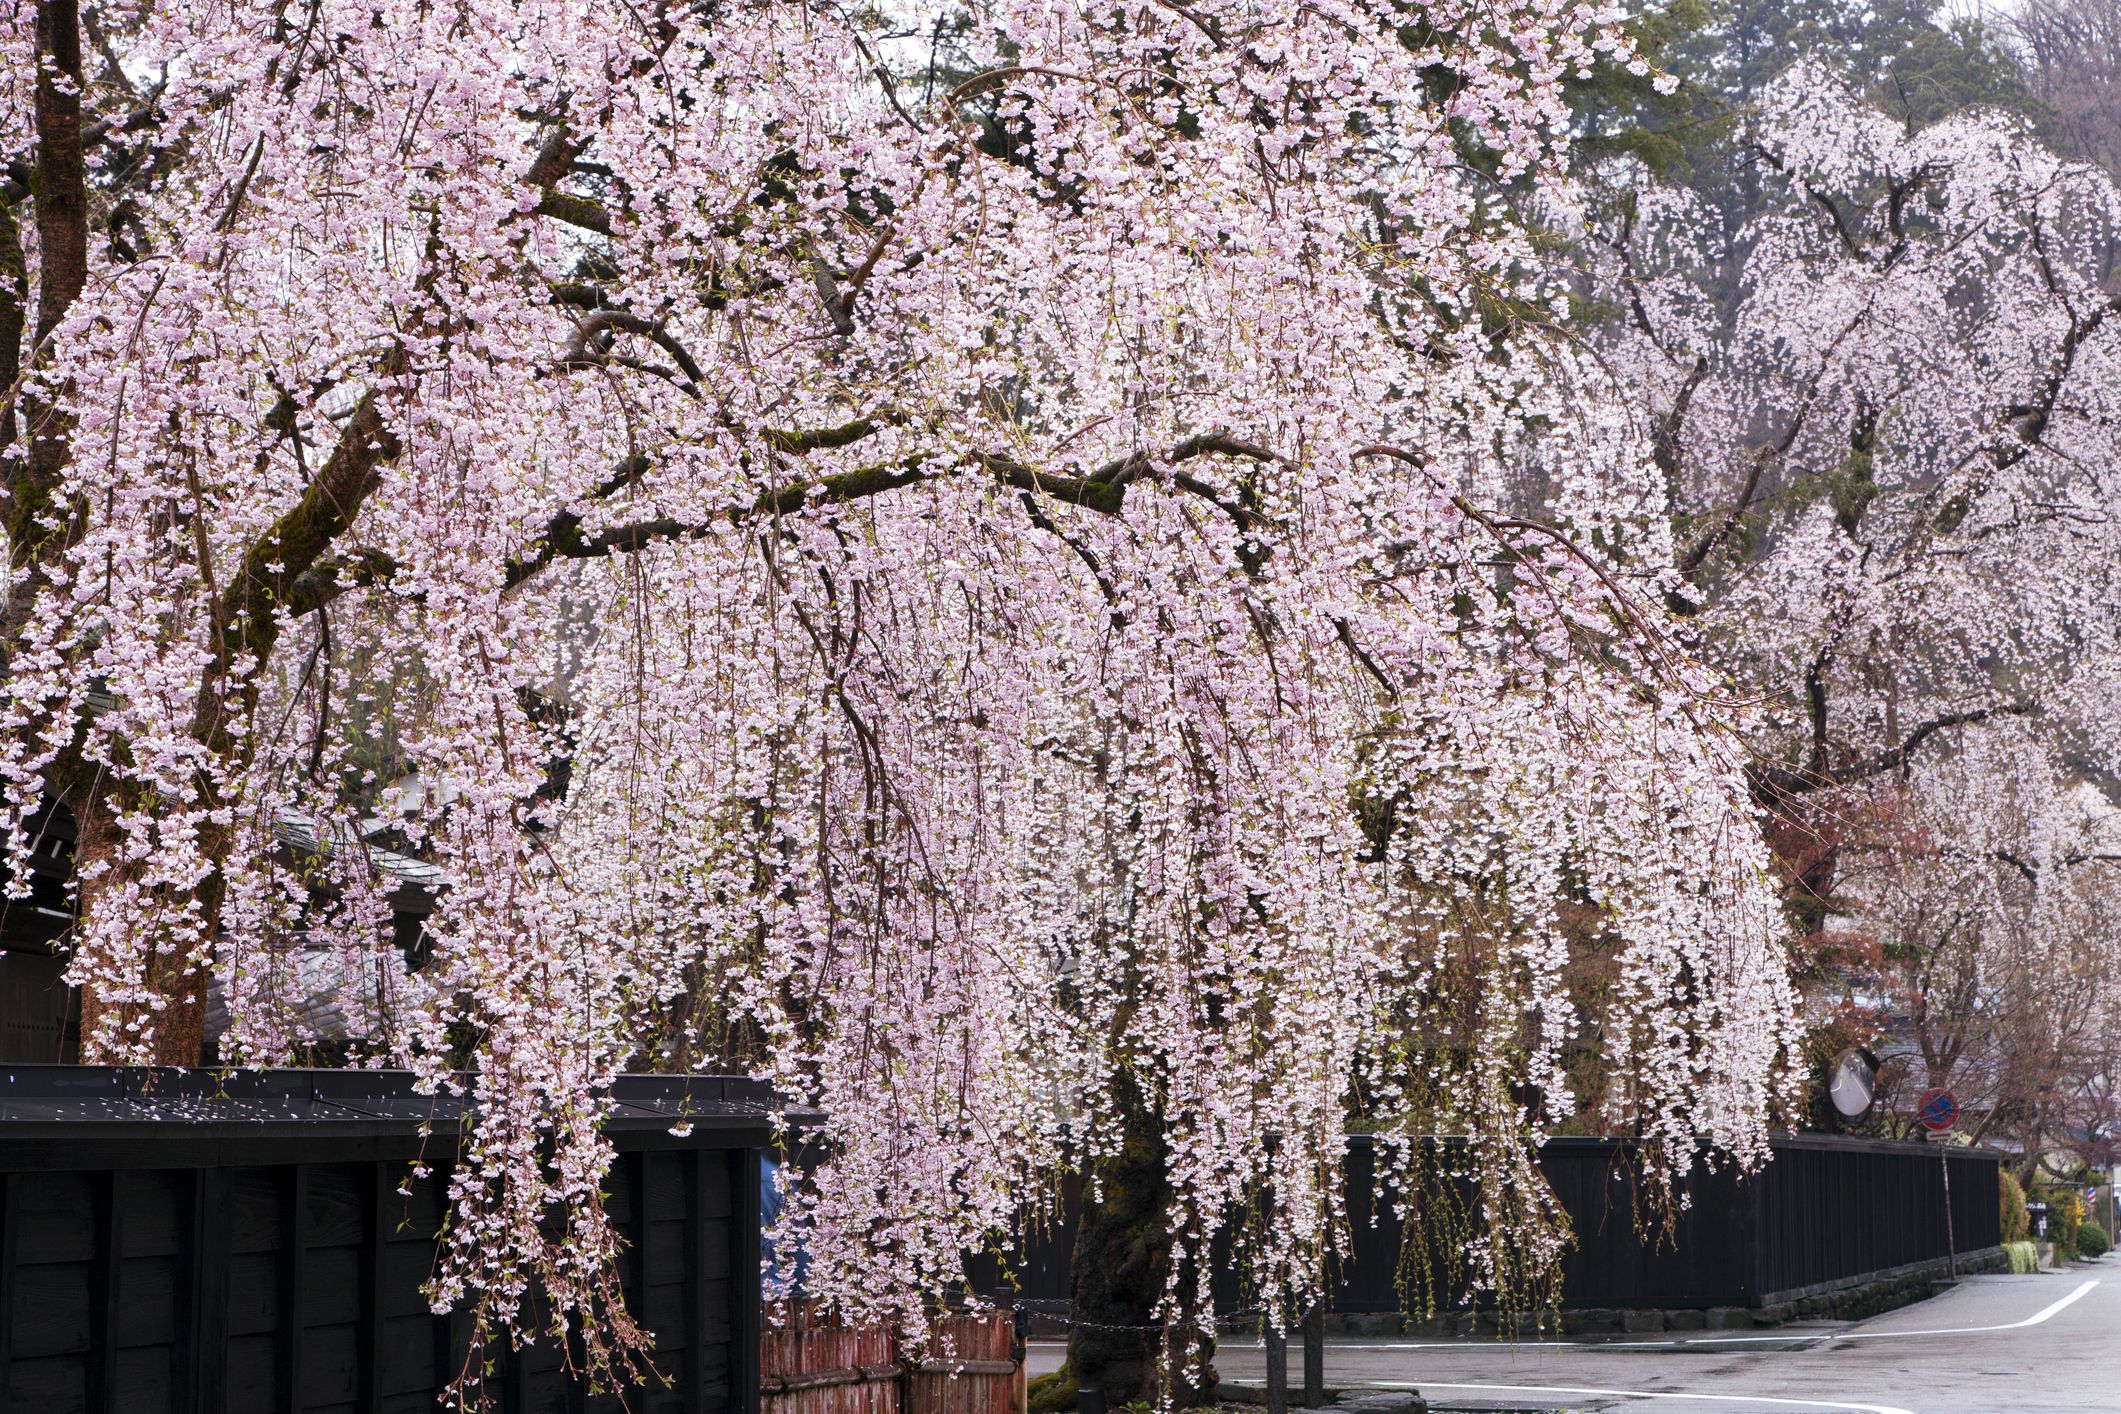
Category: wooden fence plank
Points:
column 971, row 1363
column 369, row 1372
column 292, row 1264
column 746, row 1172
column 201, row 1365
column 105, row 1294
column 699, row 1312
column 10, row 1191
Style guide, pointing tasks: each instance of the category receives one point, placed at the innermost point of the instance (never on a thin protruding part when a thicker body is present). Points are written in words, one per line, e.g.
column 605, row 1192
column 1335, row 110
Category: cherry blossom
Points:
column 962, row 582
column 1886, row 408
column 1991, row 909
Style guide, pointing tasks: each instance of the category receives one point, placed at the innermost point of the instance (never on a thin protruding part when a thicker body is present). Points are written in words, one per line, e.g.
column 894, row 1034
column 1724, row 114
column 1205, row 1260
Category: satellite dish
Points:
column 1853, row 1083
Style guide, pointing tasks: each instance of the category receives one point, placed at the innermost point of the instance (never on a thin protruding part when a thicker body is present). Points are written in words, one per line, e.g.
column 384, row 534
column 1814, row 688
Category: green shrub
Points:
column 2010, row 1198
column 2065, row 1213
column 2092, row 1240
column 2025, row 1257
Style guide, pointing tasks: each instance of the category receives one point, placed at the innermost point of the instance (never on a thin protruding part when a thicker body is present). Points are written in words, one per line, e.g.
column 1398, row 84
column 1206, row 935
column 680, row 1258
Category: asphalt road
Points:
column 1991, row 1345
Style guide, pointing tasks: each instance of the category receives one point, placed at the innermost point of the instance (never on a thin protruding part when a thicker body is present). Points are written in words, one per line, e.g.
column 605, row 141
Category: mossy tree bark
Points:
column 1122, row 1264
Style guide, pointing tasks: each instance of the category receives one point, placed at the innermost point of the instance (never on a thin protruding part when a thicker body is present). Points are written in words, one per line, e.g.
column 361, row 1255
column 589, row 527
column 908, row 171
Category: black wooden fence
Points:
column 191, row 1243
column 1827, row 1212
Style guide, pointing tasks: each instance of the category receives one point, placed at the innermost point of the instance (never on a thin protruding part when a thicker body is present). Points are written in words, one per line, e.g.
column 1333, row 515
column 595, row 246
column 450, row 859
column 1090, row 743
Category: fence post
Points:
column 1315, row 1356
column 1019, row 1395
column 1276, row 1341
column 746, row 1278
column 1752, row 1218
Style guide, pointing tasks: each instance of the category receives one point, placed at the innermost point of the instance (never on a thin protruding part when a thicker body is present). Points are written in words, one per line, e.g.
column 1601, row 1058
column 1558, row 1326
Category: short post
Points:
column 1090, row 1400
column 1315, row 1357
column 1019, row 1395
column 1277, row 1343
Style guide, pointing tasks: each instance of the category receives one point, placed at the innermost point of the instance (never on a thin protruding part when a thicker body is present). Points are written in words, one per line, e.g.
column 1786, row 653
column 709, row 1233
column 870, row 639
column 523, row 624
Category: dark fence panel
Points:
column 1623, row 1255
column 1826, row 1211
column 259, row 1244
column 1831, row 1210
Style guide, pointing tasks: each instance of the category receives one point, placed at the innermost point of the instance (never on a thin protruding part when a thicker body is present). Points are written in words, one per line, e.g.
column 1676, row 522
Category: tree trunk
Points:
column 1122, row 1261
column 180, row 1022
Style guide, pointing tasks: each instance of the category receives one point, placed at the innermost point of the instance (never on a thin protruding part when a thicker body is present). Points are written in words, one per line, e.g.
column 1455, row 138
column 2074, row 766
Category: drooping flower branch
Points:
column 884, row 574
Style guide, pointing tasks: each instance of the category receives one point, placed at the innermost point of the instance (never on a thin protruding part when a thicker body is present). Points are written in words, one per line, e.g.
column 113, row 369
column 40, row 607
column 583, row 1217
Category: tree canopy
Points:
column 1090, row 588
column 1001, row 522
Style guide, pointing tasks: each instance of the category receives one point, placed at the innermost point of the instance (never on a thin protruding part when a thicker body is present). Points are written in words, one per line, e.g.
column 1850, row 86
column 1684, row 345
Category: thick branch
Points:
column 1102, row 490
column 590, row 336
column 575, row 211
column 1665, row 447
column 821, row 439
column 638, row 535
column 1785, row 782
column 1762, row 457
column 62, row 183
column 1841, row 225
column 2030, row 419
column 326, row 580
column 13, row 272
column 555, row 157
column 1896, row 207
column 272, row 572
column 322, row 580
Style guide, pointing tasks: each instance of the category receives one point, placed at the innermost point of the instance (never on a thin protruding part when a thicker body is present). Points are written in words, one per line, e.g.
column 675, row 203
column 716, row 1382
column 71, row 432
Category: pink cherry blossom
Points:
column 1001, row 540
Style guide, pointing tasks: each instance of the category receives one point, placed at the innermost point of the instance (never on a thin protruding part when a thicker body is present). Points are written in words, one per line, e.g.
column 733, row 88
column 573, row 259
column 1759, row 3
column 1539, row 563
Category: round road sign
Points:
column 1937, row 1109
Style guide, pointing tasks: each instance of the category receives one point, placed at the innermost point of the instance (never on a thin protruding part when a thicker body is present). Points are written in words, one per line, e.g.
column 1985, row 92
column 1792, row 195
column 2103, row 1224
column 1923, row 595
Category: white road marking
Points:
column 2033, row 1320
column 1806, row 1336
column 1651, row 1394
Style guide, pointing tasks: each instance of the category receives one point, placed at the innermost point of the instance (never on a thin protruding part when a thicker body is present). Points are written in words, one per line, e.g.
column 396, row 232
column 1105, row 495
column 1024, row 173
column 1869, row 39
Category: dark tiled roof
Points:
column 44, row 1102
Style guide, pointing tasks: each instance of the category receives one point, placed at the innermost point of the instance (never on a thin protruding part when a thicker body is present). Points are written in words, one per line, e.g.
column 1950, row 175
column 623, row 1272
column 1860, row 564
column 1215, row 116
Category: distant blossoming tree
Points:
column 999, row 541
column 1995, row 945
column 1888, row 412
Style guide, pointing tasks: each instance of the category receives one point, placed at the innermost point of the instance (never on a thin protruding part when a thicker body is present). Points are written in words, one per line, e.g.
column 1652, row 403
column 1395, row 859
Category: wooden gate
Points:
column 971, row 1363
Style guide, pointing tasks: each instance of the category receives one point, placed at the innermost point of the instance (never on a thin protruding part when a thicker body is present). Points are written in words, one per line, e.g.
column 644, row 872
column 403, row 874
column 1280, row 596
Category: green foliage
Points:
column 1852, row 487
column 2065, row 1217
column 2025, row 1258
column 1912, row 59
column 1915, row 61
column 1938, row 70
column 1617, row 112
column 2010, row 1198
column 2092, row 1240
